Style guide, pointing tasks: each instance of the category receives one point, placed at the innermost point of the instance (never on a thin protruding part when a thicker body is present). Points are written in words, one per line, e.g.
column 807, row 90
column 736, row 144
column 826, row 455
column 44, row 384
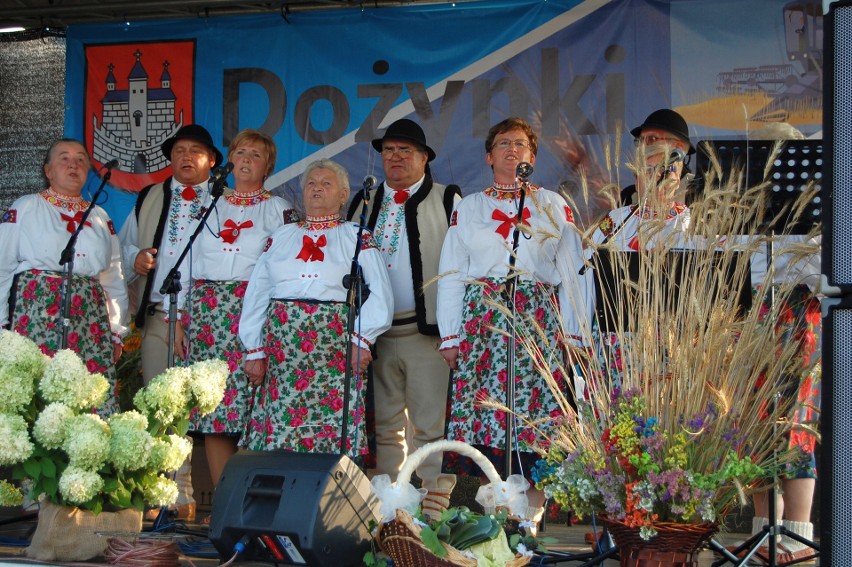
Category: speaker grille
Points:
column 839, row 374
column 840, row 108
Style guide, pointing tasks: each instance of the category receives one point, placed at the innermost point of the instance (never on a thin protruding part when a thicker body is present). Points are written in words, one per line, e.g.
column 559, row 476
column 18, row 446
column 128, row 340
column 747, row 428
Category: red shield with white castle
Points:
column 137, row 96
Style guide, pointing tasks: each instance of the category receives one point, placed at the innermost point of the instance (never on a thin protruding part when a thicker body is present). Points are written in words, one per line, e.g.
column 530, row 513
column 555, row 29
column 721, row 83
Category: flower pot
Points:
column 675, row 545
column 67, row 533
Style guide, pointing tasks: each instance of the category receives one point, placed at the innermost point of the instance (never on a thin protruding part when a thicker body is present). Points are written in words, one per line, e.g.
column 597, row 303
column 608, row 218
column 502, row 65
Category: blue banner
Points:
column 324, row 84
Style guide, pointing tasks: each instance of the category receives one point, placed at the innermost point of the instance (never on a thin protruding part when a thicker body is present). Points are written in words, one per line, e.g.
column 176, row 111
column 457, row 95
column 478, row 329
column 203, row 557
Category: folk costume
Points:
column 34, row 232
column 474, row 267
column 410, row 378
column 295, row 315
column 630, row 228
column 215, row 279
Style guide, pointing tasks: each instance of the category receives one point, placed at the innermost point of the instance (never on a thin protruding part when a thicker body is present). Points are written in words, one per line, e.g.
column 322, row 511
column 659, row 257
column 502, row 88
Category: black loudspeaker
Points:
column 835, row 467
column 293, row 509
column 837, row 134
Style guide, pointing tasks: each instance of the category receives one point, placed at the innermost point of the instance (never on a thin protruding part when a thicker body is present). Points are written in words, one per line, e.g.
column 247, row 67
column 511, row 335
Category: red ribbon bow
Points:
column 400, row 197
column 189, row 193
column 232, row 230
column 72, row 222
column 312, row 251
column 507, row 222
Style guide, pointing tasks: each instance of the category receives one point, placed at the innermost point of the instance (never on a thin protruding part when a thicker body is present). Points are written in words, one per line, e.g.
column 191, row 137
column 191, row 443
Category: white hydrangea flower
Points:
column 167, row 396
column 168, row 453
column 78, row 485
column 21, row 353
column 21, row 364
column 162, row 492
column 208, row 384
column 51, row 427
column 10, row 495
column 131, row 443
column 16, row 445
column 67, row 380
column 87, row 442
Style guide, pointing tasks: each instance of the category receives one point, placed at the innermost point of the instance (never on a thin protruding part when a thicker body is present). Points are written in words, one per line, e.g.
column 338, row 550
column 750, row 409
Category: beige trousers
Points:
column 411, row 375
column 155, row 360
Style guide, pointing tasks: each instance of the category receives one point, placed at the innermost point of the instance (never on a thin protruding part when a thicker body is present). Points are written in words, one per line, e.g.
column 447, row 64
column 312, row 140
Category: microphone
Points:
column 369, row 182
column 110, row 165
column 677, row 155
column 220, row 174
column 523, row 171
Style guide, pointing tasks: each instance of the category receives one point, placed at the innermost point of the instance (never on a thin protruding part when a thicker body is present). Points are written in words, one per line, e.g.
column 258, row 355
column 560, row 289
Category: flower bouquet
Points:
column 67, row 455
column 676, row 414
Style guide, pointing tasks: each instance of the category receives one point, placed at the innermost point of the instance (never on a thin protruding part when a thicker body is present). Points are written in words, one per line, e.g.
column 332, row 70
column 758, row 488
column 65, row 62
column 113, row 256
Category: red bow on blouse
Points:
column 189, row 193
column 312, row 251
column 72, row 222
column 400, row 197
column 232, row 230
column 507, row 222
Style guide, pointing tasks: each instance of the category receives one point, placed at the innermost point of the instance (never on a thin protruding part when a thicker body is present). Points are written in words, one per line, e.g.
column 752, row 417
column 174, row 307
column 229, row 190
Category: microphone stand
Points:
column 171, row 285
column 67, row 260
column 355, row 298
column 523, row 172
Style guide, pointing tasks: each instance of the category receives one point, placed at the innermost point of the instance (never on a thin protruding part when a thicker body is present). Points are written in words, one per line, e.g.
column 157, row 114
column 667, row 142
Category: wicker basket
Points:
column 675, row 545
column 400, row 538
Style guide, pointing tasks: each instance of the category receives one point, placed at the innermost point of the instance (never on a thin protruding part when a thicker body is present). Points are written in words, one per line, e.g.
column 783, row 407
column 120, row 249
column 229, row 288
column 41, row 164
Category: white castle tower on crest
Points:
column 136, row 121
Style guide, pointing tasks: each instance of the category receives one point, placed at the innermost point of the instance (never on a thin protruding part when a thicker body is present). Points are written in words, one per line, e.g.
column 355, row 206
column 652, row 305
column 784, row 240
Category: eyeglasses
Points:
column 651, row 140
column 506, row 144
column 403, row 152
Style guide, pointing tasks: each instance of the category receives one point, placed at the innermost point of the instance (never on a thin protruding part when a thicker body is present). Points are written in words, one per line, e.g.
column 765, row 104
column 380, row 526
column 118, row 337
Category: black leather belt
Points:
column 404, row 321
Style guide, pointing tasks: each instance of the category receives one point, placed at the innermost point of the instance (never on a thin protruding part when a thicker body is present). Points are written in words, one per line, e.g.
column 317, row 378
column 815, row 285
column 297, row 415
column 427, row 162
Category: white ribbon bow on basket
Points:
column 510, row 494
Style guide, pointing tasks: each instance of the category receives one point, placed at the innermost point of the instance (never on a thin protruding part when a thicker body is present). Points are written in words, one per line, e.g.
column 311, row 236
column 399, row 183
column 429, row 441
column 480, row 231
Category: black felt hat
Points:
column 408, row 130
column 192, row 132
column 668, row 120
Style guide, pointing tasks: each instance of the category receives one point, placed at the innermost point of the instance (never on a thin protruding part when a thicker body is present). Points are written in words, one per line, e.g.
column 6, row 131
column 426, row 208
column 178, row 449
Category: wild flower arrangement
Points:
column 53, row 440
column 675, row 415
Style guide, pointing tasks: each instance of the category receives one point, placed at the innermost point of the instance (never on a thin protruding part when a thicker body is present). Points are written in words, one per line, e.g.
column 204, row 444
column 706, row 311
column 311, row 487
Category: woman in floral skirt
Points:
column 213, row 287
column 294, row 320
column 474, row 268
column 33, row 234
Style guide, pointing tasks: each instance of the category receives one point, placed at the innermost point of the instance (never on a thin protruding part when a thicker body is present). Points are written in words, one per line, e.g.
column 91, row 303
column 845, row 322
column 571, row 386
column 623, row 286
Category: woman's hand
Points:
column 117, row 349
column 255, row 370
column 181, row 344
column 361, row 357
column 451, row 356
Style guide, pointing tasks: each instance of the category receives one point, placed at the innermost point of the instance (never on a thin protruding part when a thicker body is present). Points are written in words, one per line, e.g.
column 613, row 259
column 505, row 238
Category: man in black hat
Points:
column 664, row 139
column 409, row 219
column 153, row 236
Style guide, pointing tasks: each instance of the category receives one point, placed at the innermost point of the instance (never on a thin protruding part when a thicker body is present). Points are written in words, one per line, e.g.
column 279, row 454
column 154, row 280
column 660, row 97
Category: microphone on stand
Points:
column 523, row 171
column 674, row 157
column 370, row 182
column 220, row 175
column 110, row 165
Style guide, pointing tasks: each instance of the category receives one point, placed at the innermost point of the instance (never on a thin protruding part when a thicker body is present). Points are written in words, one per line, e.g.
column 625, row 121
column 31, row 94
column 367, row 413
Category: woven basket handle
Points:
column 417, row 457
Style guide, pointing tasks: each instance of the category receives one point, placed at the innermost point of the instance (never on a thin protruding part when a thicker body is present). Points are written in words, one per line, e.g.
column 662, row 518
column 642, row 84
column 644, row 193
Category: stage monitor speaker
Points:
column 837, row 137
column 293, row 509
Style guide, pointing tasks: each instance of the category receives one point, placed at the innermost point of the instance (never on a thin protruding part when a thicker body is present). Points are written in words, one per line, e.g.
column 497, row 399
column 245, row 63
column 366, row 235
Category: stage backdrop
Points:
column 324, row 84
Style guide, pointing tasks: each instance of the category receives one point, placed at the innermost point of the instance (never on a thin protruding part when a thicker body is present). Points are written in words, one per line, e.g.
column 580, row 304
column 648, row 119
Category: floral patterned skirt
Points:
column 299, row 406
column 801, row 321
column 214, row 309
column 38, row 302
column 482, row 374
